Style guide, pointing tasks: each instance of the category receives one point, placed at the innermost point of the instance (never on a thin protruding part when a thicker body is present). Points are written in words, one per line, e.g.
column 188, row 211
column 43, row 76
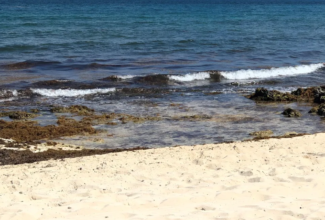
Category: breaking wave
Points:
column 190, row 77
column 250, row 74
column 273, row 72
column 70, row 92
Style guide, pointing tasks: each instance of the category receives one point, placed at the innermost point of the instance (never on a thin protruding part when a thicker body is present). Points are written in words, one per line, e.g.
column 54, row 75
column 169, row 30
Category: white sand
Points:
column 269, row 179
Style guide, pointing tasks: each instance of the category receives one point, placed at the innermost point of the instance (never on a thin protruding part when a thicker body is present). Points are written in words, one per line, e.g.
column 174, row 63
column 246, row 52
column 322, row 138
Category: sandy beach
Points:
column 266, row 179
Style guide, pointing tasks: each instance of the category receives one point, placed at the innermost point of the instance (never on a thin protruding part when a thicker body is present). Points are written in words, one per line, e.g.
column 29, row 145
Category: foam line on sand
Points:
column 266, row 179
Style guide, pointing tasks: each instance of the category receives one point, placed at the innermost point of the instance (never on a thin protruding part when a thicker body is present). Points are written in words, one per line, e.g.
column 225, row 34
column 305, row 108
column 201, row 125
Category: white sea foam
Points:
column 70, row 92
column 273, row 72
column 8, row 99
column 127, row 76
column 8, row 93
column 190, row 77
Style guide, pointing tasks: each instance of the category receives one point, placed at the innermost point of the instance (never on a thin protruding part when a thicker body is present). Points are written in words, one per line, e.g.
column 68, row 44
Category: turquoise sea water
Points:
column 275, row 44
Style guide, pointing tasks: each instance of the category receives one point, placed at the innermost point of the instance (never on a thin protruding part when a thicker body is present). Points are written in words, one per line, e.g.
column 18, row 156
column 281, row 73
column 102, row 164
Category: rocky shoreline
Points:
column 25, row 133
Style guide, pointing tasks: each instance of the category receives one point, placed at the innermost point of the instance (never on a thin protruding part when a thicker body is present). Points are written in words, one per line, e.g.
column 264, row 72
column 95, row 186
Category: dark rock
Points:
column 113, row 78
column 309, row 94
column 213, row 93
column 289, row 112
column 262, row 94
column 215, row 75
column 158, row 79
column 319, row 110
column 51, row 83
column 143, row 91
column 315, row 94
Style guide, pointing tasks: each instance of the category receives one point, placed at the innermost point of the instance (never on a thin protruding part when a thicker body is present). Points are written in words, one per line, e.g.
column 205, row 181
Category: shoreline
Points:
column 273, row 178
column 15, row 153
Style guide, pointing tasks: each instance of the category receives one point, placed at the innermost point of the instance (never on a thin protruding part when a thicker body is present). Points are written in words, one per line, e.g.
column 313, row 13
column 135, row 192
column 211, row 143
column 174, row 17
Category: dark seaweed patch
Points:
column 12, row 157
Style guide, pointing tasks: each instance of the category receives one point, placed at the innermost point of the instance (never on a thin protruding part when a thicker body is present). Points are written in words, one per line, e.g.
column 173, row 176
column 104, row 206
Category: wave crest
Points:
column 70, row 92
column 273, row 72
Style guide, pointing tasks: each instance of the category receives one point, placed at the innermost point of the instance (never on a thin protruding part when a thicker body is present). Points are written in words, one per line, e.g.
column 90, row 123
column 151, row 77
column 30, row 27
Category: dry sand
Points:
column 267, row 179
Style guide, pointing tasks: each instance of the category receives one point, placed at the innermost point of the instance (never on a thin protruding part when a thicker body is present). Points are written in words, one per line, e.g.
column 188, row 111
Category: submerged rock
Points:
column 262, row 134
column 113, row 78
column 113, row 118
column 76, row 109
column 192, row 118
column 18, row 115
column 143, row 91
column 34, row 110
column 290, row 133
column 30, row 131
column 19, row 65
column 289, row 112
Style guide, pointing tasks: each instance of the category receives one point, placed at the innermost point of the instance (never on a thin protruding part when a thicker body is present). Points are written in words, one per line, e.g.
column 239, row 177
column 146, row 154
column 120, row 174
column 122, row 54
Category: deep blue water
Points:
column 164, row 36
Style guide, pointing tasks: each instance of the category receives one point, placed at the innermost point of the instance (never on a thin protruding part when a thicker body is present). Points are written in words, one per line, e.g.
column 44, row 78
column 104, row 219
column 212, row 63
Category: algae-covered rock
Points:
column 109, row 118
column 76, row 109
column 315, row 94
column 130, row 118
column 289, row 112
column 314, row 110
column 199, row 117
column 319, row 110
column 18, row 115
column 262, row 94
column 261, row 134
column 34, row 110
column 25, row 131
column 290, row 133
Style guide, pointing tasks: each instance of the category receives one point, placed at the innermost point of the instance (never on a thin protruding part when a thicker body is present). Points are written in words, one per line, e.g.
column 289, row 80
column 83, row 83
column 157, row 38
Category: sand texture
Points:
column 267, row 179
